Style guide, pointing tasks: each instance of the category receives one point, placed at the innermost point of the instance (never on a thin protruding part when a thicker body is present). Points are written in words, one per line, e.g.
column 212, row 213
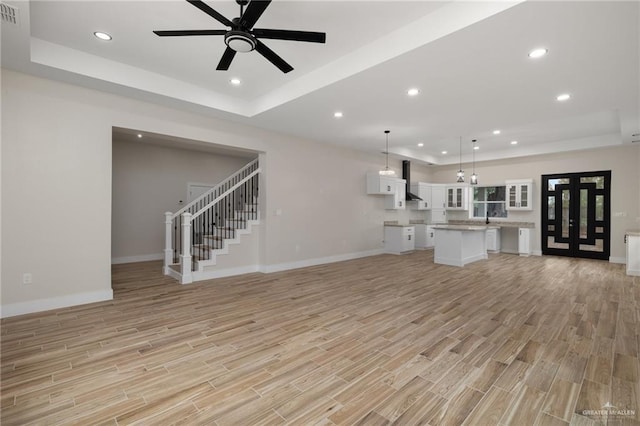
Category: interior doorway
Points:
column 576, row 216
column 194, row 190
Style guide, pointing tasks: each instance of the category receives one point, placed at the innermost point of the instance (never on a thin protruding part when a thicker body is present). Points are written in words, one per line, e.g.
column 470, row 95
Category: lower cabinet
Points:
column 493, row 239
column 633, row 253
column 399, row 239
column 524, row 241
column 425, row 236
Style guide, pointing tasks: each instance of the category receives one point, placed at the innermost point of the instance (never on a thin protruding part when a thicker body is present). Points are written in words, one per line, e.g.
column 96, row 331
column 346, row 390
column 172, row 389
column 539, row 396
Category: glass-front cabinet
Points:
column 519, row 194
column 457, row 197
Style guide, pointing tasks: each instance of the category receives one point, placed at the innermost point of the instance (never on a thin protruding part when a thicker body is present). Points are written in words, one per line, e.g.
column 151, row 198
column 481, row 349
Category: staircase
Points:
column 203, row 230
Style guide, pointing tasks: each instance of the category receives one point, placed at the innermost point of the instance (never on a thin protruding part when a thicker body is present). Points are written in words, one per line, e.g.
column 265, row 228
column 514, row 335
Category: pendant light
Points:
column 460, row 171
column 474, row 176
column 387, row 171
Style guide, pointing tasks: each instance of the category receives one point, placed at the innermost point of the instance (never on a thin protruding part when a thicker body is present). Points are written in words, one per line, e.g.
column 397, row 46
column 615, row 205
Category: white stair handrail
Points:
column 192, row 203
column 227, row 192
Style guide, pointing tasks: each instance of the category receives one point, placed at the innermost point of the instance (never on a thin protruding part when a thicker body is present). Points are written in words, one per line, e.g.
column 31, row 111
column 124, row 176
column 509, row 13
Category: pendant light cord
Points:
column 387, row 150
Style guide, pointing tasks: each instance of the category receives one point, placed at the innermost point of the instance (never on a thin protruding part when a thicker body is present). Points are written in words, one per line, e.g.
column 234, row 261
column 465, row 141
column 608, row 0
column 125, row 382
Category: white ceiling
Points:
column 469, row 60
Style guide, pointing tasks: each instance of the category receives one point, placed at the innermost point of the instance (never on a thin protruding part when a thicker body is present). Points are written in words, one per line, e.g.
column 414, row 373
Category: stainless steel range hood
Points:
column 406, row 175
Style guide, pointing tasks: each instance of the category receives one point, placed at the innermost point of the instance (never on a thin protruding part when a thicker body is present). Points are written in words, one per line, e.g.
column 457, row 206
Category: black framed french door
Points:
column 576, row 217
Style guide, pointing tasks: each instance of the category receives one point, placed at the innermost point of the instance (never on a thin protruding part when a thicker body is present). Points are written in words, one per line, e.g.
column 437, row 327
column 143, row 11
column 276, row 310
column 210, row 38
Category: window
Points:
column 489, row 201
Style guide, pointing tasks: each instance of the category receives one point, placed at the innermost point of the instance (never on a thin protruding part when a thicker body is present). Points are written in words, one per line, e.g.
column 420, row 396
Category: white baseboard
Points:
column 134, row 259
column 622, row 260
column 318, row 261
column 40, row 305
column 229, row 272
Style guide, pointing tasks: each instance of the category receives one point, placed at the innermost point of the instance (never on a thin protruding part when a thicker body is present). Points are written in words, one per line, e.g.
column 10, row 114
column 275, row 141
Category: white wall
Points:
column 149, row 180
column 623, row 161
column 57, row 186
column 56, row 190
column 56, row 197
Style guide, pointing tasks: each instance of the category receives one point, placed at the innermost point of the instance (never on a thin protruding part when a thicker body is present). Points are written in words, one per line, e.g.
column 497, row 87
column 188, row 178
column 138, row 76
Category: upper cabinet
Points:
column 438, row 197
column 382, row 185
column 519, row 194
column 457, row 198
column 422, row 190
column 397, row 201
column 394, row 189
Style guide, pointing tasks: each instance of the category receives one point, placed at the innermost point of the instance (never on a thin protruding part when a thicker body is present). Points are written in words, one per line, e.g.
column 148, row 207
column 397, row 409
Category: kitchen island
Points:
column 458, row 245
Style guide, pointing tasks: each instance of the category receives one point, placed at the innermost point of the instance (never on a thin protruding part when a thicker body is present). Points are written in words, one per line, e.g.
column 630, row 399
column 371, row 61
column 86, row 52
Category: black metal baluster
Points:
column 174, row 243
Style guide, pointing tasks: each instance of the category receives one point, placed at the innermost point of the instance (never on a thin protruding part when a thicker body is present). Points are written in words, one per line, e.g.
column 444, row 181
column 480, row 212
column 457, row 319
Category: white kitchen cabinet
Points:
column 425, row 236
column 431, row 237
column 437, row 197
column 399, row 239
column 422, row 190
column 524, row 241
column 632, row 238
column 519, row 194
column 457, row 198
column 493, row 240
column 380, row 185
column 397, row 201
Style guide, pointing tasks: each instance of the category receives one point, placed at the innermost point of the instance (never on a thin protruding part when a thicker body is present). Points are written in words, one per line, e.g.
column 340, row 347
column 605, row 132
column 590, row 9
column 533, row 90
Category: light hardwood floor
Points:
column 381, row 340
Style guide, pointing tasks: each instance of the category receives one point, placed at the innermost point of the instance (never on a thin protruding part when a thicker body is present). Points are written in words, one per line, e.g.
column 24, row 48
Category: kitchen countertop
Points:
column 400, row 225
column 461, row 227
column 493, row 223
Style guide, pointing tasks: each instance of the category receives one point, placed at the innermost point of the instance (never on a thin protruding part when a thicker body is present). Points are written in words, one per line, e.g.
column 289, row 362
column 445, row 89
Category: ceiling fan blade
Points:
column 176, row 33
column 253, row 13
column 209, row 11
column 272, row 57
column 226, row 59
column 309, row 36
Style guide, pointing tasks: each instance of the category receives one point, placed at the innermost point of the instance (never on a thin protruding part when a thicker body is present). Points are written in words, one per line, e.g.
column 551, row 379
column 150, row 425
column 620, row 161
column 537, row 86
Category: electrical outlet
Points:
column 27, row 278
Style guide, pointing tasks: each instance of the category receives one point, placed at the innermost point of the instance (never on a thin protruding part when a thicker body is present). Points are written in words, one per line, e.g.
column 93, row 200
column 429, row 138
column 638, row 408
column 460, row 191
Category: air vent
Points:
column 9, row 14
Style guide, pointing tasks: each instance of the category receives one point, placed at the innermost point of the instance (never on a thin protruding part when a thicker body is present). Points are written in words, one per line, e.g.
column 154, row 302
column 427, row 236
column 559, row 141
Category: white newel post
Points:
column 186, row 249
column 168, row 246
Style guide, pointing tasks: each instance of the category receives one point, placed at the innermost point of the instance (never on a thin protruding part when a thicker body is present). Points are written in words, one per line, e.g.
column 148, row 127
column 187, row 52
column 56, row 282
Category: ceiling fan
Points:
column 242, row 37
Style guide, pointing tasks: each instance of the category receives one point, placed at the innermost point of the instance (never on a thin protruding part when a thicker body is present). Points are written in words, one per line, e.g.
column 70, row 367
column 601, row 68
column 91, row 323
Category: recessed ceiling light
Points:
column 444, row 152
column 420, row 144
column 476, row 147
column 337, row 114
column 235, row 81
column 514, row 142
column 139, row 135
column 563, row 97
column 102, row 36
column 496, row 132
column 538, row 53
column 413, row 91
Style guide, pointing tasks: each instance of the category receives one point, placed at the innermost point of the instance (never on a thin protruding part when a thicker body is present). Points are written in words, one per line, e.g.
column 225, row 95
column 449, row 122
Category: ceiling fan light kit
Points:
column 242, row 37
column 240, row 41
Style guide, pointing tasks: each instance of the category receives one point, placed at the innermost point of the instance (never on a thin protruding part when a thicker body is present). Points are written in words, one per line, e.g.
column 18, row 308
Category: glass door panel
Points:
column 575, row 214
column 524, row 196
